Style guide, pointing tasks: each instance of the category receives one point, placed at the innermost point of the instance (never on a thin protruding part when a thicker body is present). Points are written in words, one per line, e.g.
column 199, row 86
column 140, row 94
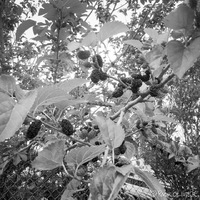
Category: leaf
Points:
column 152, row 33
column 181, row 18
column 102, row 183
column 112, row 133
column 84, row 154
column 13, row 117
column 69, row 85
column 181, row 59
column 50, row 157
column 25, row 25
column 90, row 40
column 130, row 150
column 71, row 188
column 156, row 188
column 193, row 163
column 110, row 29
column 119, row 181
column 135, row 43
column 49, row 95
column 73, row 46
column 7, row 84
column 163, row 118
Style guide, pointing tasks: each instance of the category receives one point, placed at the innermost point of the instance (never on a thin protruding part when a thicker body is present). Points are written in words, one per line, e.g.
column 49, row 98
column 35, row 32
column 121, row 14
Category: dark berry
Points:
column 144, row 123
column 122, row 148
column 153, row 91
column 135, row 85
column 95, row 76
column 103, row 76
column 118, row 92
column 136, row 76
column 83, row 55
column 97, row 143
column 117, row 151
column 97, row 59
column 87, row 64
column 33, row 129
column 67, row 127
column 96, row 127
column 146, row 76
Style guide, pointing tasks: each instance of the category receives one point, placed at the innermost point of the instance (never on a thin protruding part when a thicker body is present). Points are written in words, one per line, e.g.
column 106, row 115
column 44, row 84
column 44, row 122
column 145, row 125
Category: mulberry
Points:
column 97, row 59
column 87, row 64
column 67, row 127
column 153, row 91
column 126, row 81
column 146, row 77
column 136, row 76
column 121, row 149
column 83, row 55
column 103, row 76
column 118, row 92
column 135, row 85
column 33, row 129
column 95, row 76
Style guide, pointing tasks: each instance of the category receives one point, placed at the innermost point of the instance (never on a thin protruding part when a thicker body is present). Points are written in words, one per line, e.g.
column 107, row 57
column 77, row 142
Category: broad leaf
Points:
column 120, row 180
column 90, row 40
column 71, row 188
column 84, row 154
column 131, row 150
column 156, row 188
column 152, row 33
column 180, row 18
column 135, row 43
column 110, row 29
column 73, row 46
column 14, row 114
column 112, row 133
column 49, row 11
column 180, row 58
column 25, row 25
column 163, row 118
column 7, row 84
column 193, row 163
column 50, row 157
column 69, row 85
column 102, row 183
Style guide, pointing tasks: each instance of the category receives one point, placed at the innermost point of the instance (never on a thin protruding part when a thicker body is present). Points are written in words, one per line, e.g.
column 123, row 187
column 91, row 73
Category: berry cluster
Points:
column 67, row 127
column 154, row 91
column 33, row 129
column 132, row 83
column 145, row 77
column 121, row 149
column 88, row 132
column 97, row 75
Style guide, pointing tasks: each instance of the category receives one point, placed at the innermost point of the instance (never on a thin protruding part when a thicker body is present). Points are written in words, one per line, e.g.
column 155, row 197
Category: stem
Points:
column 91, row 12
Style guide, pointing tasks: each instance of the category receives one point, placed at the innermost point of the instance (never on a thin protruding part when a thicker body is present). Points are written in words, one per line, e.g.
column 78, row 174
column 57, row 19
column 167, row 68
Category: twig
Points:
column 164, row 71
column 90, row 12
column 117, row 80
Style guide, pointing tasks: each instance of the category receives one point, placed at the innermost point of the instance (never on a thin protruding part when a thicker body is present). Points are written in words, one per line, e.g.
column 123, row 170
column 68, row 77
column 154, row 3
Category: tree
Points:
column 85, row 110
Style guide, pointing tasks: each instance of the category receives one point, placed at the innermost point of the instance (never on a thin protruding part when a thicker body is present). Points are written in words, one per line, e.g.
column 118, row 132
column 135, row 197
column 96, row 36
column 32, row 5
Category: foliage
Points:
column 92, row 115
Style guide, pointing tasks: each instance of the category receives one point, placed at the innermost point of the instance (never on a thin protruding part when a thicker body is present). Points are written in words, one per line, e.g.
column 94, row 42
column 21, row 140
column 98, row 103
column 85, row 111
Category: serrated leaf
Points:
column 15, row 116
column 112, row 133
column 180, row 58
column 25, row 25
column 110, row 29
column 153, row 184
column 50, row 157
column 84, row 154
column 90, row 40
column 163, row 118
column 49, row 95
column 130, row 150
column 73, row 46
column 120, row 179
column 71, row 188
column 69, row 85
column 152, row 33
column 135, row 43
column 181, row 18
column 102, row 183
column 193, row 163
